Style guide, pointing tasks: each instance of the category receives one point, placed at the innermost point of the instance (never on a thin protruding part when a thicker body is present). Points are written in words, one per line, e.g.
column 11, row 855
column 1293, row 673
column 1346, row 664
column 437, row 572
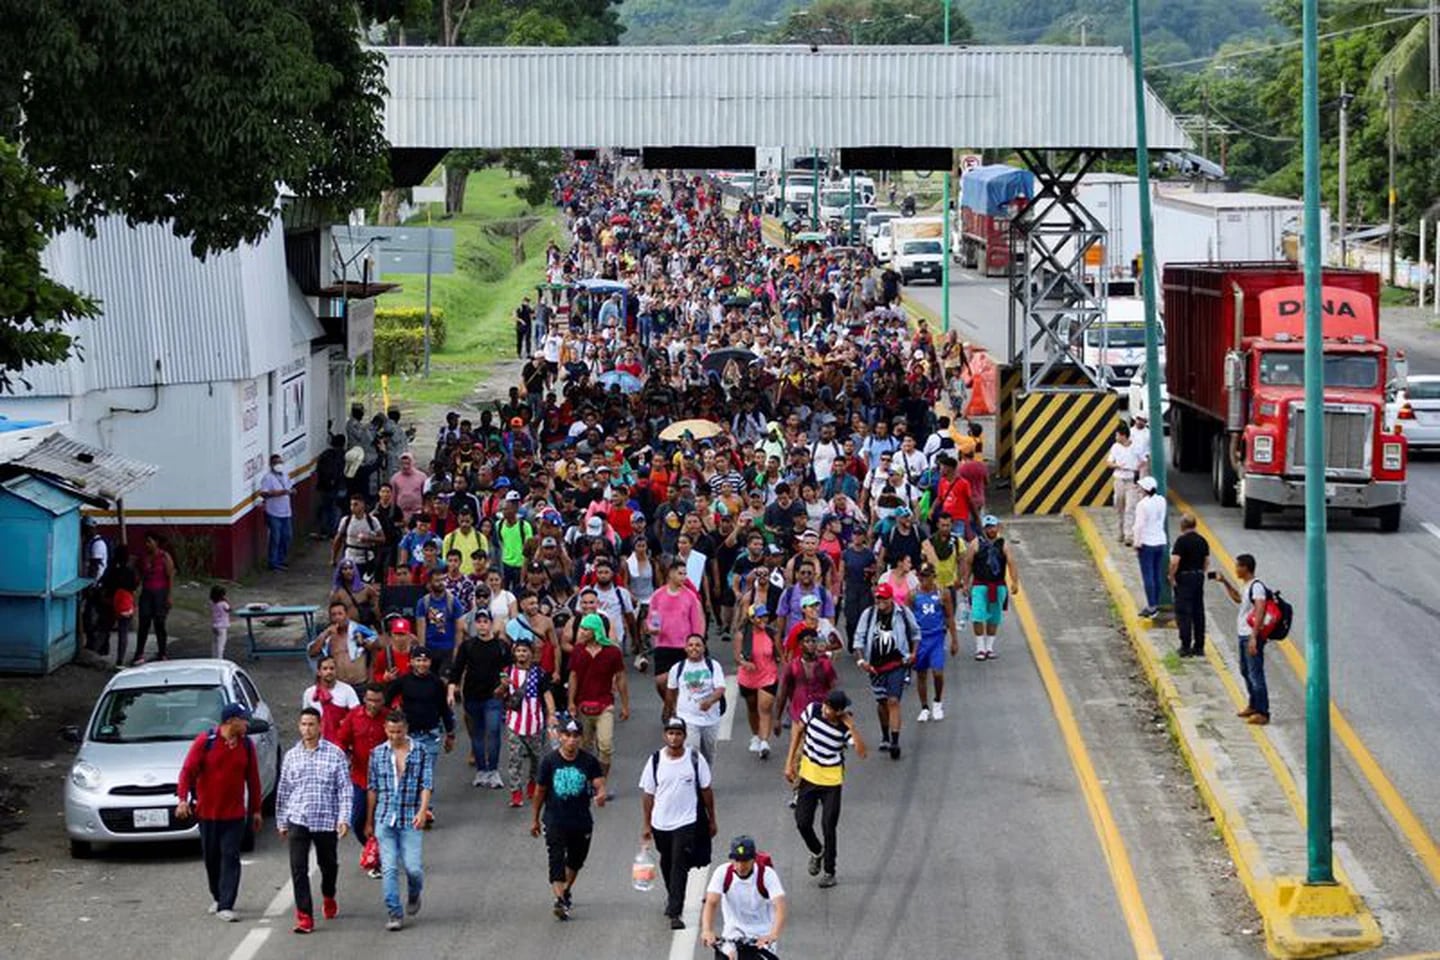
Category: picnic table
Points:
column 250, row 614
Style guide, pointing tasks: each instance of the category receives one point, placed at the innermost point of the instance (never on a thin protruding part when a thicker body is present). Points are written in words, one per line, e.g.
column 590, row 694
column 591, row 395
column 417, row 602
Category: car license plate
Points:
column 149, row 819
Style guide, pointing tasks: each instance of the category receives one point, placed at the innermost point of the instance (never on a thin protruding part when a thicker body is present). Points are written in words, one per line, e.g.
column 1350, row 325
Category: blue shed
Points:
column 40, row 579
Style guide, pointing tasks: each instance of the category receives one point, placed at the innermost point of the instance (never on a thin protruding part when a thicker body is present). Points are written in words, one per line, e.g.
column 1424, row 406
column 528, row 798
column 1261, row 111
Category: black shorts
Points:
column 568, row 850
column 667, row 657
column 770, row 688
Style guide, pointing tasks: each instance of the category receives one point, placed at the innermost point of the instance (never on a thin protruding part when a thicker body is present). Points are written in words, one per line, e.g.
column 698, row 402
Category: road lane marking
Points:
column 252, row 943
column 1410, row 826
column 1436, row 531
column 732, row 706
column 1117, row 859
column 682, row 942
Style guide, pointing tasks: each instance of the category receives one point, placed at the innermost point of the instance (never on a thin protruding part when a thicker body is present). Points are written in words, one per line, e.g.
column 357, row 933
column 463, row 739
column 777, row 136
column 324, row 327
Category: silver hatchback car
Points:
column 121, row 788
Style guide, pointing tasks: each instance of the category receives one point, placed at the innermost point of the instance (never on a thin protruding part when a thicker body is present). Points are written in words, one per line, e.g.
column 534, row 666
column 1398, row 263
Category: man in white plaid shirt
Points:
column 312, row 807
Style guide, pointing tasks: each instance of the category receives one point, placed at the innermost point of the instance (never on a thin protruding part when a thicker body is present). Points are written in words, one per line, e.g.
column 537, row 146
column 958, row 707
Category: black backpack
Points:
column 1278, row 614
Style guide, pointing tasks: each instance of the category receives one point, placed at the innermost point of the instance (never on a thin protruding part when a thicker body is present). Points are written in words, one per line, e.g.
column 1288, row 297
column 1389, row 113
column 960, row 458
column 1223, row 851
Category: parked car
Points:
column 121, row 787
column 1415, row 408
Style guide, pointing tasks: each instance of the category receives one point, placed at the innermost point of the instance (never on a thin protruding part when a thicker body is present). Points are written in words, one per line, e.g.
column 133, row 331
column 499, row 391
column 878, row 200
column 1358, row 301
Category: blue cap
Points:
column 502, row 483
column 234, row 711
column 989, row 520
column 742, row 848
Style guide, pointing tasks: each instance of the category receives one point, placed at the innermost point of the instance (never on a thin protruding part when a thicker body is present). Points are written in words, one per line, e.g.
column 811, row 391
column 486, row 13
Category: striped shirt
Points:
column 314, row 790
column 823, row 747
column 529, row 685
column 722, row 481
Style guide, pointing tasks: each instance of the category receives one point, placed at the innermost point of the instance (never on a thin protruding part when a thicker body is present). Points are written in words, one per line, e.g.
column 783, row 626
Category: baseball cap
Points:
column 513, row 496
column 884, row 592
column 1147, row 484
column 759, row 610
column 549, row 542
column 810, row 600
column 418, row 653
column 502, row 483
column 400, row 626
column 594, row 526
column 774, row 550
column 837, row 700
column 483, row 613
column 234, row 711
column 742, row 848
column 675, row 723
column 570, row 725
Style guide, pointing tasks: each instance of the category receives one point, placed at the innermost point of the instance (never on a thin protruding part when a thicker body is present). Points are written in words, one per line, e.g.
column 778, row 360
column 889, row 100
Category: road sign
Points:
column 359, row 327
column 968, row 162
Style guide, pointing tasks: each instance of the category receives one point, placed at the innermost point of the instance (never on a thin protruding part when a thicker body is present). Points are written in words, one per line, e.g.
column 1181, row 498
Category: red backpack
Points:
column 762, row 860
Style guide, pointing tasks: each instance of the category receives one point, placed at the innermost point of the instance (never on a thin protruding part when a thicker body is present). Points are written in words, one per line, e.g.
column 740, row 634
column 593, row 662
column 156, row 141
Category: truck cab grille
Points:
column 1349, row 430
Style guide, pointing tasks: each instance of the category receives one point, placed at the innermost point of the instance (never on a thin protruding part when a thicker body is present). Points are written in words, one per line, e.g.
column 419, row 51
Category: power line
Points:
column 1267, row 48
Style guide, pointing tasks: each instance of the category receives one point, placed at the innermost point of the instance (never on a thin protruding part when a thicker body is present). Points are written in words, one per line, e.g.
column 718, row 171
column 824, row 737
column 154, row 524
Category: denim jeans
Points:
column 1152, row 572
column 486, row 719
column 400, row 847
column 1252, row 670
column 430, row 741
column 358, row 800
column 279, row 529
column 220, row 849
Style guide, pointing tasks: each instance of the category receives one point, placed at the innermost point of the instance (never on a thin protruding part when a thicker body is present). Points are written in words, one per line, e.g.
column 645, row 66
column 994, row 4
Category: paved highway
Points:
column 1384, row 608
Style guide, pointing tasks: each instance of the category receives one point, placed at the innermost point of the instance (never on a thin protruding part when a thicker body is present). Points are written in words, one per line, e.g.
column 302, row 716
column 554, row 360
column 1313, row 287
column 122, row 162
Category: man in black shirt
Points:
column 523, row 315
column 476, row 676
column 568, row 778
column 426, row 707
column 1189, row 561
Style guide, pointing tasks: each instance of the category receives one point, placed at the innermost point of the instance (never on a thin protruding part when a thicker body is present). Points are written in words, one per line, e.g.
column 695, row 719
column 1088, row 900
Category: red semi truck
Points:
column 1234, row 347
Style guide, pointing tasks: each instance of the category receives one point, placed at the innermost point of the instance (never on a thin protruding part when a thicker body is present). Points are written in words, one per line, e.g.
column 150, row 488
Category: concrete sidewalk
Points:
column 1248, row 787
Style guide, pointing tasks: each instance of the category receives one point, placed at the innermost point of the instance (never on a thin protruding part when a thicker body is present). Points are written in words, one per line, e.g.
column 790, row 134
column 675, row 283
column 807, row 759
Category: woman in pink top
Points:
column 157, row 576
column 758, row 677
column 675, row 614
column 901, row 580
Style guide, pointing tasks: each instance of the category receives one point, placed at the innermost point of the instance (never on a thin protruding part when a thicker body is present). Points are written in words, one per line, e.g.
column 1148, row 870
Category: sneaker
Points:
column 641, row 664
column 304, row 923
column 991, row 654
column 814, row 866
column 497, row 782
column 561, row 911
column 515, row 798
column 412, row 906
column 329, row 908
column 894, row 751
column 827, row 881
column 764, row 750
column 754, row 744
column 1148, row 613
column 979, row 654
column 479, row 779
column 374, row 873
column 937, row 711
column 213, row 908
column 924, row 715
column 394, row 923
column 569, row 899
column 676, row 923
column 227, row 915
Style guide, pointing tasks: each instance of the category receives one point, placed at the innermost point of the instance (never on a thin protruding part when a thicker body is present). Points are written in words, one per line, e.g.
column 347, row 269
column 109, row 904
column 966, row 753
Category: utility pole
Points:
column 945, row 217
column 1320, row 866
column 1084, row 24
column 815, row 195
column 1205, row 128
column 1390, row 136
column 1345, row 99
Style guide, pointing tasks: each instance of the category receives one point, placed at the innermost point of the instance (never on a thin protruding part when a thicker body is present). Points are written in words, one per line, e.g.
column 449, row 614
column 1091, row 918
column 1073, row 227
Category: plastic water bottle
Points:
column 643, row 870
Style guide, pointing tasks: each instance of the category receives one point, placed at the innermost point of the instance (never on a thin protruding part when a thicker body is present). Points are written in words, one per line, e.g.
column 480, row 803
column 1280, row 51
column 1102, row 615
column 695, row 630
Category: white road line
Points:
column 284, row 900
column 1431, row 527
column 732, row 705
column 682, row 942
column 252, row 943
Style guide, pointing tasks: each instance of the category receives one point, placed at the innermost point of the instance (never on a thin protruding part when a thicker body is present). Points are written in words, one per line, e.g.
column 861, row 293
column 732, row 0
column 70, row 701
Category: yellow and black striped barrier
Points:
column 1061, row 442
column 1011, row 385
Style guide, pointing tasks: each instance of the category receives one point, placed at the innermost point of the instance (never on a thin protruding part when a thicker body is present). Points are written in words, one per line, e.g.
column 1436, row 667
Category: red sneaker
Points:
column 329, row 908
column 515, row 799
column 304, row 923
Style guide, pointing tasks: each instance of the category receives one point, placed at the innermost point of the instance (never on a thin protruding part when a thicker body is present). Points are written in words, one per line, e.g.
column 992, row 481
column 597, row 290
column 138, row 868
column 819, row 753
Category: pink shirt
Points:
column 409, row 489
column 673, row 617
column 762, row 655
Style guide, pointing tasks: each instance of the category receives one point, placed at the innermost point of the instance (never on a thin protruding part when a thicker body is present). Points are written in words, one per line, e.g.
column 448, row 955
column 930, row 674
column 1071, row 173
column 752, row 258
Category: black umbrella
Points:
column 717, row 360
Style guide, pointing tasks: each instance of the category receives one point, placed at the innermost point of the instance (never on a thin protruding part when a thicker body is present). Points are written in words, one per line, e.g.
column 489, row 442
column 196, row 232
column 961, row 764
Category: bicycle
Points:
column 746, row 948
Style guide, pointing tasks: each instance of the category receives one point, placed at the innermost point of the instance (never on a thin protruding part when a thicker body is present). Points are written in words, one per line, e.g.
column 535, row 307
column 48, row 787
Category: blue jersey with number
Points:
column 929, row 612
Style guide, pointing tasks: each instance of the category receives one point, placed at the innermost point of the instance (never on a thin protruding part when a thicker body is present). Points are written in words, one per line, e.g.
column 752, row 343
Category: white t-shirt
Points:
column 674, row 788
column 1140, row 442
column 1149, row 529
column 823, row 455
column 694, row 682
column 342, row 695
column 1248, row 595
column 745, row 912
column 1126, row 460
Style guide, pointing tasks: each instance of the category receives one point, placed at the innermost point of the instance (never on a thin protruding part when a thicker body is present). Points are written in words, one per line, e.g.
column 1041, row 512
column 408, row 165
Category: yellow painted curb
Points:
column 1420, row 840
column 1288, row 907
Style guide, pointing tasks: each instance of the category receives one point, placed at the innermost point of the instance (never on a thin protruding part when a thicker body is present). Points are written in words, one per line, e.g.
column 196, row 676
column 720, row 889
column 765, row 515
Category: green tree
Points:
column 539, row 168
column 871, row 22
column 188, row 113
column 1418, row 177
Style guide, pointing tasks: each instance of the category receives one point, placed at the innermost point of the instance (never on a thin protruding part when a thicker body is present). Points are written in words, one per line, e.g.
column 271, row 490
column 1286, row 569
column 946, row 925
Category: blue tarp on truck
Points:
column 988, row 189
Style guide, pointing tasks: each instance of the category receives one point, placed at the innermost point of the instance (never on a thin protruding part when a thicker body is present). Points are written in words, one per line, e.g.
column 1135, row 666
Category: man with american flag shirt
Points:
column 529, row 711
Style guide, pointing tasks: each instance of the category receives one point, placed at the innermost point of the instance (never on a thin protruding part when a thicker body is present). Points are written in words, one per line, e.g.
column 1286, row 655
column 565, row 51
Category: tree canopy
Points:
column 189, row 113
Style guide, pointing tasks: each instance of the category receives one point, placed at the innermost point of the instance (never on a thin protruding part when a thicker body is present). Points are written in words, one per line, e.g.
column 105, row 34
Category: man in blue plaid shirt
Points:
column 312, row 807
column 401, row 780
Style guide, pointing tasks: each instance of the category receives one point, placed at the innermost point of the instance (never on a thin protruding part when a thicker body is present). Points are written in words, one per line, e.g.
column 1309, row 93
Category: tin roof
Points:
column 787, row 96
column 1229, row 201
column 88, row 472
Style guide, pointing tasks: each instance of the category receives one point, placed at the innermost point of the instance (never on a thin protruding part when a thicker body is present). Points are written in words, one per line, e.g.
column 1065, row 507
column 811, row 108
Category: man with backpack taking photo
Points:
column 1263, row 616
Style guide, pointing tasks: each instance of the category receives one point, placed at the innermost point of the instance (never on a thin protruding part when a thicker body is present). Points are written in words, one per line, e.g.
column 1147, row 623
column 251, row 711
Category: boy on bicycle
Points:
column 752, row 902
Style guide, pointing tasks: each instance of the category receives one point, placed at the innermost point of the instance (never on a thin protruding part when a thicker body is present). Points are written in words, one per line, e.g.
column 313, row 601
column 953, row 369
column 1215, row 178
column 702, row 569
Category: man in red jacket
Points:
column 360, row 733
column 220, row 786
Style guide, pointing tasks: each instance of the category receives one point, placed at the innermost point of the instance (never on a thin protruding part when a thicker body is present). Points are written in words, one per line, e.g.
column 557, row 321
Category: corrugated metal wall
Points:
column 767, row 96
column 223, row 318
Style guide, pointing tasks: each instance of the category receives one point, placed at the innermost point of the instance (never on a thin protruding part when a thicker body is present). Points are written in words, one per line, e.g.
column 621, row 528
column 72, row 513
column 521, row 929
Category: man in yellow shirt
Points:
column 816, row 764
